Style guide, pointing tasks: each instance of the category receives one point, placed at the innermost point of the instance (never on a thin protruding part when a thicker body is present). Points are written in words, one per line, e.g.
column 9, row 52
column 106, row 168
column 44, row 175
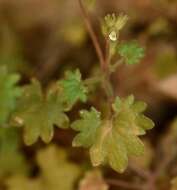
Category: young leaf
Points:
column 112, row 24
column 93, row 180
column 115, row 139
column 38, row 113
column 73, row 88
column 131, row 52
column 8, row 94
column 87, row 126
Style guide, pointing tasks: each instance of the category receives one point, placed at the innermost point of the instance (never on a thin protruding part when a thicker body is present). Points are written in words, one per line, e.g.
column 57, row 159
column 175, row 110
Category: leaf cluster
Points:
column 111, row 139
column 38, row 112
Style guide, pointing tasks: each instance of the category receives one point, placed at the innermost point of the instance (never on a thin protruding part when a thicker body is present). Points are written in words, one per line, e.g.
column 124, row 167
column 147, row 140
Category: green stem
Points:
column 93, row 80
column 113, row 67
column 108, row 87
column 107, row 82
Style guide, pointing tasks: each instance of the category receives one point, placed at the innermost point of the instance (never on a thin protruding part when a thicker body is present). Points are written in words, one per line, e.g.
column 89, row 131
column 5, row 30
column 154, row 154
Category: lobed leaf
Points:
column 131, row 52
column 87, row 126
column 38, row 113
column 114, row 140
column 73, row 88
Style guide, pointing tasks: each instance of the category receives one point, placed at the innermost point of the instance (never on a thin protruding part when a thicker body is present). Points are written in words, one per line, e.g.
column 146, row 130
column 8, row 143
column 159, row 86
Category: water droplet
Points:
column 113, row 36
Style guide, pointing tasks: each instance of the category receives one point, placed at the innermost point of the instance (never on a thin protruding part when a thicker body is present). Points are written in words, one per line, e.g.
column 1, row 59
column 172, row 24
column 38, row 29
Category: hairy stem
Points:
column 113, row 67
column 104, row 59
column 92, row 35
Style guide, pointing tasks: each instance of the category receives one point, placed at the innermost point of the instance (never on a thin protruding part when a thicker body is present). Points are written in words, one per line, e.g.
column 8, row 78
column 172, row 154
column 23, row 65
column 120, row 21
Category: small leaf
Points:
column 73, row 88
column 112, row 24
column 131, row 52
column 8, row 94
column 38, row 113
column 87, row 127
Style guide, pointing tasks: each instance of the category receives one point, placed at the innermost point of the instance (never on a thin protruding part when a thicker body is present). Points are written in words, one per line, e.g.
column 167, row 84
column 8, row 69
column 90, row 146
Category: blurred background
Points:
column 44, row 38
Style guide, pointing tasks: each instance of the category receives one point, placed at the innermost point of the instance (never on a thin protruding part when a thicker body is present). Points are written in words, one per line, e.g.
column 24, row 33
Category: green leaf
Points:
column 114, row 140
column 57, row 171
column 87, row 126
column 109, row 148
column 131, row 52
column 73, row 88
column 38, row 113
column 128, row 112
column 118, row 137
column 12, row 160
column 8, row 94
